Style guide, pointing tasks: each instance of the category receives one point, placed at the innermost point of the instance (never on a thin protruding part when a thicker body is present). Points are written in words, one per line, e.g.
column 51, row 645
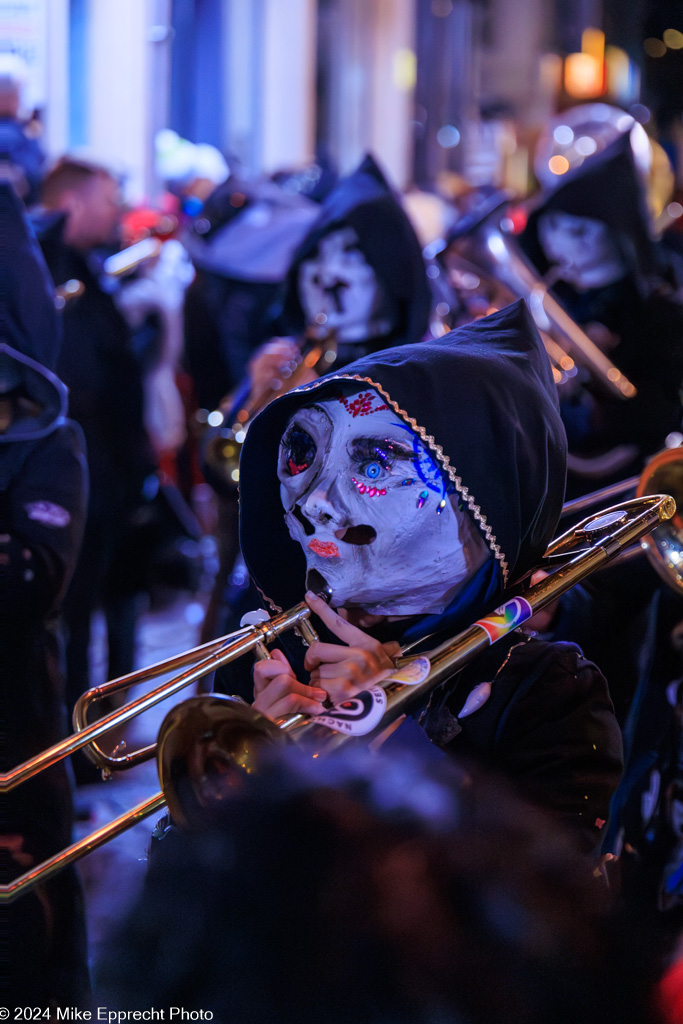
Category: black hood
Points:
column 29, row 321
column 481, row 398
column 365, row 202
column 47, row 402
column 605, row 187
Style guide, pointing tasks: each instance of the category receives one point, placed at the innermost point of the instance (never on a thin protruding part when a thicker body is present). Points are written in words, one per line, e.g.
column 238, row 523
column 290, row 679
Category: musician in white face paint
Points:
column 584, row 250
column 357, row 276
column 413, row 489
column 591, row 238
column 339, row 289
column 359, row 272
column 369, row 506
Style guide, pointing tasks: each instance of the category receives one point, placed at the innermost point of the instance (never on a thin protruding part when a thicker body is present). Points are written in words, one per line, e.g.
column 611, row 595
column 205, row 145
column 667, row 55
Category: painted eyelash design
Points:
column 386, row 452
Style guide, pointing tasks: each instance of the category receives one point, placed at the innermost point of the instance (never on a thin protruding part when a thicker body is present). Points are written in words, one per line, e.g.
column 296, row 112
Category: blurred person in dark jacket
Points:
column 81, row 212
column 43, row 495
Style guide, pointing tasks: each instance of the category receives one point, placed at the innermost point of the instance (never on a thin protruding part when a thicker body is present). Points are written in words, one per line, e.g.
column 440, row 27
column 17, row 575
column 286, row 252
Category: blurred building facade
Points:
column 432, row 87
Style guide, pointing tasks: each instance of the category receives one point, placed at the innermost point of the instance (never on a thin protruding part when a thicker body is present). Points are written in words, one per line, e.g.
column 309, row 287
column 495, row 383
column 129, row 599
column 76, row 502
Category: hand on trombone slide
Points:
column 337, row 671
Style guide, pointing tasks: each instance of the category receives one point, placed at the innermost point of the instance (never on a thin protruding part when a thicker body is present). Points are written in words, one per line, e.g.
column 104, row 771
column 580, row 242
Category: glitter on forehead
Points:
column 445, row 462
column 362, row 405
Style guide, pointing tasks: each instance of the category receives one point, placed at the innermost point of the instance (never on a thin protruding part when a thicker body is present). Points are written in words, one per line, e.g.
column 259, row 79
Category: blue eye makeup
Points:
column 376, row 456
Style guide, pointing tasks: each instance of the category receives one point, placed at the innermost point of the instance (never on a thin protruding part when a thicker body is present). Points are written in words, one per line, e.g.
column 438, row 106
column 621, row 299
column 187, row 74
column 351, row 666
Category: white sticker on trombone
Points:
column 413, row 672
column 357, row 716
column 506, row 618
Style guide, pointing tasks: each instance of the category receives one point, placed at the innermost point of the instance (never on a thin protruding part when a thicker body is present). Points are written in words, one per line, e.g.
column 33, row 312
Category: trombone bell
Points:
column 664, row 546
column 205, row 748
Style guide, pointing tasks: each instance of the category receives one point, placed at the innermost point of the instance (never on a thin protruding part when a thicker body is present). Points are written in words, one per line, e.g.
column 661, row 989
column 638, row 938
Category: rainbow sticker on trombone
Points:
column 506, row 618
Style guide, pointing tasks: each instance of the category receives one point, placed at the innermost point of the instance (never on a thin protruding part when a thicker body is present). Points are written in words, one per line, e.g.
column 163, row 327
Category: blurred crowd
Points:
column 139, row 346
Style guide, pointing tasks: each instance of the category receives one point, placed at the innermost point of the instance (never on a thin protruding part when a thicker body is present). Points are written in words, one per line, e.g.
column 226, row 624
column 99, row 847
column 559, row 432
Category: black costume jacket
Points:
column 483, row 400
column 43, row 494
column 43, row 487
column 104, row 377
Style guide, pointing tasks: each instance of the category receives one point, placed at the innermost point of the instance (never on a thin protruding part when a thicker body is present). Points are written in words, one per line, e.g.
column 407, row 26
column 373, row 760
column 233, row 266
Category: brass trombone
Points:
column 663, row 474
column 124, row 262
column 194, row 765
column 120, row 264
column 490, row 248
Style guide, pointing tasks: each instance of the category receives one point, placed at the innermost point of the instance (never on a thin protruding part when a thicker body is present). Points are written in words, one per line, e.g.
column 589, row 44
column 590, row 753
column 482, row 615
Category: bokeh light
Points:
column 654, row 47
column 448, row 136
column 673, row 39
column 558, row 164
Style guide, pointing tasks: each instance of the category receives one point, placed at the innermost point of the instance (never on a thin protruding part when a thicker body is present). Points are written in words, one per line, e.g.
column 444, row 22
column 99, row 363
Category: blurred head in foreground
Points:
column 363, row 888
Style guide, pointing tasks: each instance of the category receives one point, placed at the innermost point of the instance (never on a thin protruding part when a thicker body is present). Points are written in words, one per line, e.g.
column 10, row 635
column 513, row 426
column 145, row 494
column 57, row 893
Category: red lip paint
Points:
column 324, row 548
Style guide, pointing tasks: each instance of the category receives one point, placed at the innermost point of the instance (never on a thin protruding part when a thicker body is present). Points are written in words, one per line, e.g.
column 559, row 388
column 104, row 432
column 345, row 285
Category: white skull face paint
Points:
column 339, row 290
column 584, row 249
column 371, row 510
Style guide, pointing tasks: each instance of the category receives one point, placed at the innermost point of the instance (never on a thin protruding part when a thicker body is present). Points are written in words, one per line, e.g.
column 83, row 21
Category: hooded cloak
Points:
column 606, row 187
column 28, row 318
column 364, row 201
column 481, row 398
column 639, row 309
column 43, row 489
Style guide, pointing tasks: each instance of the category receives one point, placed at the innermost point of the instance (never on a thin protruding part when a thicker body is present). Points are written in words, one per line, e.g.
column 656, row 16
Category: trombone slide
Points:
column 456, row 653
column 41, row 872
column 202, row 739
column 490, row 248
column 221, row 652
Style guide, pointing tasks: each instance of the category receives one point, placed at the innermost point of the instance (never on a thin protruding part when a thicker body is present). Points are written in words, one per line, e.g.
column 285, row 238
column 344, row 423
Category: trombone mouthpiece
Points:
column 316, row 582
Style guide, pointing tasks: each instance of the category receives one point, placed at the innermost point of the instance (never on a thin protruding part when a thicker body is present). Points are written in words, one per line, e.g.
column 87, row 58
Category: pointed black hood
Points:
column 364, row 201
column 29, row 321
column 605, row 187
column 481, row 398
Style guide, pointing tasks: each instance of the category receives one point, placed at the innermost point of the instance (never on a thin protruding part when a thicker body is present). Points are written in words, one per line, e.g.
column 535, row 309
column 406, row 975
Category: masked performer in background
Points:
column 591, row 236
column 43, row 480
column 420, row 483
column 358, row 277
